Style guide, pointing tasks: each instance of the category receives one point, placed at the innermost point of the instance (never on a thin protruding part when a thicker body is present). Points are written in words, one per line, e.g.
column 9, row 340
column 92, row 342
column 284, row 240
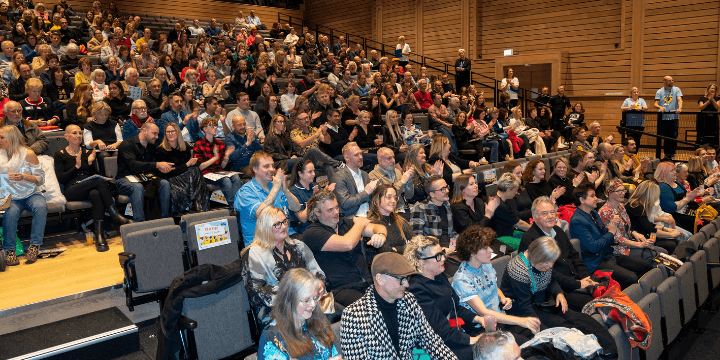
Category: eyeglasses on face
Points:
column 401, row 279
column 445, row 188
column 438, row 257
column 280, row 224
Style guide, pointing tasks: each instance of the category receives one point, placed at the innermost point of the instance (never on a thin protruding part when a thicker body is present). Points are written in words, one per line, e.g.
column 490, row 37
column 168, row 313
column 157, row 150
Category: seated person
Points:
column 101, row 133
column 476, row 284
column 387, row 299
column 438, row 299
column 453, row 165
column 596, row 240
column 561, row 178
column 528, row 281
column 73, row 164
column 267, row 188
column 645, row 197
column 569, row 270
column 120, row 104
column 433, row 217
column 22, row 176
column 77, row 108
column 506, row 221
column 212, row 158
column 363, row 134
column 37, row 109
column 352, row 184
column 383, row 211
column 580, row 136
column 188, row 189
column 496, row 345
column 241, row 144
column 581, row 162
column 138, row 117
column 604, row 161
column 595, row 138
column 535, row 183
column 71, row 62
column 298, row 310
column 111, row 49
column 386, row 173
column 136, row 155
column 97, row 83
column 252, row 120
column 33, row 137
column 16, row 88
column 411, row 132
column 675, row 199
column 177, row 115
column 467, row 207
column 441, row 122
column 335, row 243
column 146, row 62
column 155, row 100
column 131, row 79
column 263, row 269
column 96, row 43
column 56, row 47
column 51, row 61
column 338, row 135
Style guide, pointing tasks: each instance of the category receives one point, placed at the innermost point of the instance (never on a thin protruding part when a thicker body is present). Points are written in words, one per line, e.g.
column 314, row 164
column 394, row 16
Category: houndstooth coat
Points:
column 365, row 336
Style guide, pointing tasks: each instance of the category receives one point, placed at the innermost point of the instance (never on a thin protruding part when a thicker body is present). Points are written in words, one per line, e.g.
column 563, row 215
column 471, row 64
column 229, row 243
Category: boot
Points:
column 196, row 207
column 117, row 218
column 10, row 258
column 100, row 243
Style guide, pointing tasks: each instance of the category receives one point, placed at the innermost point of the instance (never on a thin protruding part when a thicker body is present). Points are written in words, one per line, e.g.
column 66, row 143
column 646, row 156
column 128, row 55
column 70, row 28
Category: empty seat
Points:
column 669, row 293
column 634, row 292
column 220, row 247
column 686, row 281
column 712, row 254
column 650, row 304
column 699, row 261
column 56, row 142
column 111, row 168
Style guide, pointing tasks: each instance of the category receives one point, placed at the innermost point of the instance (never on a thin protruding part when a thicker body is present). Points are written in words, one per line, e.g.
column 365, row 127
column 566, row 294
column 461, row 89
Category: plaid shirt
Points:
column 144, row 62
column 425, row 219
column 204, row 151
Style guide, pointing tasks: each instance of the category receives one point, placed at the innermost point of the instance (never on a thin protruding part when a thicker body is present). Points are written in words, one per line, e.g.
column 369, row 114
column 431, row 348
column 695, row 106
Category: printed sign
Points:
column 218, row 196
column 490, row 176
column 212, row 234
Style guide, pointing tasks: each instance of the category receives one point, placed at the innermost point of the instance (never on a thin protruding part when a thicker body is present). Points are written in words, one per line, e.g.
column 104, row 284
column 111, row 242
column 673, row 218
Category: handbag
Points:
column 705, row 213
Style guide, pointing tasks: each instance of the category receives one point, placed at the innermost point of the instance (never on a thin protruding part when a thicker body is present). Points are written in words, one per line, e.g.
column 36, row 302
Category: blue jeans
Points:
column 229, row 187
column 136, row 192
column 38, row 206
column 493, row 145
column 445, row 131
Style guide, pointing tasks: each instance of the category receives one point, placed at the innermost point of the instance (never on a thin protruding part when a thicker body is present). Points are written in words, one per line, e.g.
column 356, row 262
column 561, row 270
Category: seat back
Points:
column 213, row 241
column 650, row 281
column 576, row 244
column 698, row 240
column 650, row 304
column 686, row 280
column 634, row 292
column 199, row 217
column 669, row 293
column 712, row 253
column 699, row 261
column 708, row 230
column 111, row 166
column 223, row 326
column 500, row 265
column 158, row 255
column 56, row 142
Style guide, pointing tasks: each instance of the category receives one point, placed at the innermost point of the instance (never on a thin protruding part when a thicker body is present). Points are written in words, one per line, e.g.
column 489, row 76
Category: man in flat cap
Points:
column 387, row 322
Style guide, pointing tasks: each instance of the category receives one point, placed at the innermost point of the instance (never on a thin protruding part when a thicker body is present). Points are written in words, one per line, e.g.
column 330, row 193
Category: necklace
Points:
column 71, row 153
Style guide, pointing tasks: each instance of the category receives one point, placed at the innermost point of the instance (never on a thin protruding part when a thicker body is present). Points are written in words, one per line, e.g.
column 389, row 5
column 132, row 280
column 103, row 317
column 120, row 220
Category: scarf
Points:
column 137, row 121
column 14, row 164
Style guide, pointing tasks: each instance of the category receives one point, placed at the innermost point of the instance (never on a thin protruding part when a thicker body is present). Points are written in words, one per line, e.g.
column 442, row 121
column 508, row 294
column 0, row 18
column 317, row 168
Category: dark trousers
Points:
column 633, row 135
column 669, row 128
column 345, row 297
column 96, row 190
column 625, row 269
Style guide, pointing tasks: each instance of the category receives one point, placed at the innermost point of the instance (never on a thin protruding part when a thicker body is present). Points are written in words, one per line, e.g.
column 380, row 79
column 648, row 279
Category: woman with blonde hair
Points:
column 39, row 63
column 78, row 107
column 382, row 211
column 188, row 189
column 640, row 208
column 392, row 136
column 268, row 258
column 101, row 133
column 12, row 72
column 453, row 165
column 416, row 159
column 299, row 329
column 674, row 198
column 22, row 176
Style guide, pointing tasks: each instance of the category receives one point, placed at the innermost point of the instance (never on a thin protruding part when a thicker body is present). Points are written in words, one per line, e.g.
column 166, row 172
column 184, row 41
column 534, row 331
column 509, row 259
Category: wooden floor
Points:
column 78, row 269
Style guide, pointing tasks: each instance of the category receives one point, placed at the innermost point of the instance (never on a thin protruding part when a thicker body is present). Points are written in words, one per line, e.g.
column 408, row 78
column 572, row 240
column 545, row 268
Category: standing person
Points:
column 462, row 71
column 559, row 105
column 668, row 101
column 21, row 176
column 634, row 108
column 404, row 51
column 511, row 86
column 707, row 122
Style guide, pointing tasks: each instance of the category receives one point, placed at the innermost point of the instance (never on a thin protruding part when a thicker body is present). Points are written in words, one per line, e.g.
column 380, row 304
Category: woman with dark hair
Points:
column 303, row 186
column 29, row 46
column 576, row 118
column 383, row 211
column 416, row 160
column 465, row 135
column 120, row 104
column 59, row 90
column 373, row 107
column 299, row 329
column 179, row 62
column 287, row 100
column 467, row 207
column 279, row 145
column 476, row 284
column 561, row 179
column 534, row 178
column 188, row 189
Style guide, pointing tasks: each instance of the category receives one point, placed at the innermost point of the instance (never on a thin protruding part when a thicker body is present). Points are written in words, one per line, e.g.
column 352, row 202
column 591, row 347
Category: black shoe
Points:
column 118, row 219
column 101, row 244
column 11, row 259
column 32, row 254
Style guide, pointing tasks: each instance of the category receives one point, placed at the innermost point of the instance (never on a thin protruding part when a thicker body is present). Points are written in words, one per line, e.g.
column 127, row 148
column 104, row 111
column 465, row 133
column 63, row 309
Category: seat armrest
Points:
column 125, row 257
column 713, row 265
column 186, row 323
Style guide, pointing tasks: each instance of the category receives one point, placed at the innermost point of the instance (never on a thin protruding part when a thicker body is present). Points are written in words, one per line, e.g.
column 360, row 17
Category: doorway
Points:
column 532, row 77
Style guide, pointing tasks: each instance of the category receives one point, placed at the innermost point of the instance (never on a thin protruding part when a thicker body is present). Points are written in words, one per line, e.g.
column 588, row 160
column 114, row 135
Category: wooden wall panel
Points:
column 352, row 16
column 399, row 19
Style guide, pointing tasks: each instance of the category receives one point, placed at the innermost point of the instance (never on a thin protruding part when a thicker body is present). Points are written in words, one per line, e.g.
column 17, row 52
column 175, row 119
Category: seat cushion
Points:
column 78, row 205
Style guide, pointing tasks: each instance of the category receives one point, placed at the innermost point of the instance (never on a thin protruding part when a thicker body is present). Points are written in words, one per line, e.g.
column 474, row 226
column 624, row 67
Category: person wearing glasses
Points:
column 438, row 299
column 299, row 330
column 337, row 248
column 569, row 270
column 268, row 259
column 433, row 217
column 387, row 302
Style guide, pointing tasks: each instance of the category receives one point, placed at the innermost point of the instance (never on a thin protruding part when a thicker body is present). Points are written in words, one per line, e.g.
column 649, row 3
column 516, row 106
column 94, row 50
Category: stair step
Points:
column 101, row 334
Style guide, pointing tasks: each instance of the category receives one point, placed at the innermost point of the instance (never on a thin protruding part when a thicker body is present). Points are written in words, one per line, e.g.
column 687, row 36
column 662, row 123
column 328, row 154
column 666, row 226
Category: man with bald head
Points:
column 136, row 156
column 386, row 173
column 34, row 137
column 241, row 144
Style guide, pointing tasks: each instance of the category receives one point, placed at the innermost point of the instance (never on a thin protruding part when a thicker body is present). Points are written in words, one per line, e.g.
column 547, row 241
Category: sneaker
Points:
column 32, row 254
column 529, row 153
column 563, row 146
column 483, row 161
column 11, row 259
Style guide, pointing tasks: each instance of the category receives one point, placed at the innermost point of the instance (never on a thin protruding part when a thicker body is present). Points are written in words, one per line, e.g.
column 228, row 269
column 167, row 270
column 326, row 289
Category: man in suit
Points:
column 569, row 269
column 352, row 185
column 363, row 336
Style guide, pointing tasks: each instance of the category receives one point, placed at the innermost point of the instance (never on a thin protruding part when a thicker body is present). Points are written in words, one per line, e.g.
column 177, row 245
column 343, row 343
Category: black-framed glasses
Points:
column 280, row 224
column 444, row 188
column 438, row 257
column 401, row 279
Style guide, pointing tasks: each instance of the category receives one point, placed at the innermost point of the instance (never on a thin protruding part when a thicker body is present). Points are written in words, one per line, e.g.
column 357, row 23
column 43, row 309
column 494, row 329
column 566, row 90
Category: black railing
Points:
column 477, row 79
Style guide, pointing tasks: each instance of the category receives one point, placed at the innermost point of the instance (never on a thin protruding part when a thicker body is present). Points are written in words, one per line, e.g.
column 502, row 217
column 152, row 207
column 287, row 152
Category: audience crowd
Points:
column 370, row 240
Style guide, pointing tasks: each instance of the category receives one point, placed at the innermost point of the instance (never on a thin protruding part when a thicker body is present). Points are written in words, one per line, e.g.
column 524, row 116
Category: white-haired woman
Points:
column 20, row 179
column 97, row 83
column 271, row 254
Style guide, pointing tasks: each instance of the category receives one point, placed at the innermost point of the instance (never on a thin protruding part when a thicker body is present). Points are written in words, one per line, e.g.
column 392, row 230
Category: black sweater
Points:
column 65, row 170
column 104, row 132
column 463, row 216
column 175, row 156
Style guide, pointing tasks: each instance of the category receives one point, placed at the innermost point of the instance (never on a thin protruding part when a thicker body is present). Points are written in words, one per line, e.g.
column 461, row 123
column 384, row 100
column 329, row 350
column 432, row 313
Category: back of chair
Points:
column 576, row 244
column 650, row 304
column 144, row 225
column 712, row 252
column 500, row 265
column 223, row 326
column 111, row 166
column 686, row 280
column 219, row 248
column 699, row 261
column 634, row 292
column 698, row 240
column 669, row 293
column 708, row 231
column 650, row 281
column 201, row 216
column 56, row 142
column 158, row 256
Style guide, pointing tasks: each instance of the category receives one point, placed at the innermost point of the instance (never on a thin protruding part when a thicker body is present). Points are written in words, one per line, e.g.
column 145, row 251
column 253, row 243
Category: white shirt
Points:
column 509, row 90
column 364, row 207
